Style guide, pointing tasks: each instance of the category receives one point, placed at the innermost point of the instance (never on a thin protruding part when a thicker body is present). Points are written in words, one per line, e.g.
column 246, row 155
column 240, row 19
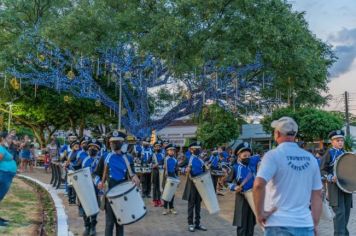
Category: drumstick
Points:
column 248, row 177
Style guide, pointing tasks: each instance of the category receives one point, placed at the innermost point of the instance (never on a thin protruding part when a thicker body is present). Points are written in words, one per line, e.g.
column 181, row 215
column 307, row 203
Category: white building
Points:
column 178, row 131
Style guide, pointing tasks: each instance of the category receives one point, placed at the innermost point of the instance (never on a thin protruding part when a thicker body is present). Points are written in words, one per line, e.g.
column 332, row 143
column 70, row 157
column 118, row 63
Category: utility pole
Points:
column 347, row 113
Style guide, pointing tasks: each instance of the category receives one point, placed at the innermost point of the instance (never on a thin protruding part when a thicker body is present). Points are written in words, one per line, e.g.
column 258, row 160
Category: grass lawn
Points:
column 21, row 207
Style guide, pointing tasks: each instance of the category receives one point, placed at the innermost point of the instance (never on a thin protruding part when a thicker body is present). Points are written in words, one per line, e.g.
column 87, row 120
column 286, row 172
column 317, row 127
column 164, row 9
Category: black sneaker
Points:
column 148, row 196
column 200, row 227
column 191, row 228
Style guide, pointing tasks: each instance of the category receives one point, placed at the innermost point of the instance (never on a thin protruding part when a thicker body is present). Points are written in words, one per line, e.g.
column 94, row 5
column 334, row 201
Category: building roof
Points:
column 253, row 131
column 187, row 122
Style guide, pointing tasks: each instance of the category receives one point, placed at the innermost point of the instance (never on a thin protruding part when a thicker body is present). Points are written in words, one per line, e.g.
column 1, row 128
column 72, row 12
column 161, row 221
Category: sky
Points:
column 334, row 21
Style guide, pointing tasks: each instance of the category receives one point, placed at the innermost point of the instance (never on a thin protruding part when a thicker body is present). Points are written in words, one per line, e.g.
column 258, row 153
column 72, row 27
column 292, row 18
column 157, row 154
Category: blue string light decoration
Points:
column 59, row 69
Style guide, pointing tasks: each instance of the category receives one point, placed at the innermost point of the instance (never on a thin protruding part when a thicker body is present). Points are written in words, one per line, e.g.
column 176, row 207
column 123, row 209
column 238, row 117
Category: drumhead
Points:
column 174, row 180
column 86, row 169
column 344, row 170
column 201, row 175
column 120, row 189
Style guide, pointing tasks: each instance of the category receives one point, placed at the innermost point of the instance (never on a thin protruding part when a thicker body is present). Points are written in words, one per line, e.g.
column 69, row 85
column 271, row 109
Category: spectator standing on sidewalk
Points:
column 294, row 183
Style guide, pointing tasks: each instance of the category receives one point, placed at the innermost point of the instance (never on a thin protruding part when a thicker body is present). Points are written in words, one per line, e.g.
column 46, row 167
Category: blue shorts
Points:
column 25, row 154
column 5, row 182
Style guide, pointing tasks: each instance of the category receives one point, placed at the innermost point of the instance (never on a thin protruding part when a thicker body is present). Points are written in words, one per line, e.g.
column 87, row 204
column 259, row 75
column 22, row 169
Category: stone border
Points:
column 62, row 225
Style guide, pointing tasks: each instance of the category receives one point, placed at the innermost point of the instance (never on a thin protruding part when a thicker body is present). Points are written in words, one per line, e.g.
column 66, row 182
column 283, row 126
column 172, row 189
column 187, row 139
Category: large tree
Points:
column 186, row 35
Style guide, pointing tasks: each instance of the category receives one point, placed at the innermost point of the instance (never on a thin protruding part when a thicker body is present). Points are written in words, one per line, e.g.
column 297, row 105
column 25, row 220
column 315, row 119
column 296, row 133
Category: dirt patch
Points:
column 21, row 207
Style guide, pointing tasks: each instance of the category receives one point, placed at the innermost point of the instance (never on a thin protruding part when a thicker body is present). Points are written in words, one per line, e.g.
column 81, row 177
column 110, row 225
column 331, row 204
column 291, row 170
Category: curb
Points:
column 62, row 225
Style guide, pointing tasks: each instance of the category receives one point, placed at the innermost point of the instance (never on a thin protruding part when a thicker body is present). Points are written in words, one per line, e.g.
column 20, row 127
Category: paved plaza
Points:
column 154, row 223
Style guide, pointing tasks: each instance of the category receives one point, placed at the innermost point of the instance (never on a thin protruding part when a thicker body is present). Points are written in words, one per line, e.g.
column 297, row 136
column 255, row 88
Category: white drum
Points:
column 205, row 187
column 249, row 197
column 84, row 187
column 126, row 203
column 170, row 188
column 161, row 172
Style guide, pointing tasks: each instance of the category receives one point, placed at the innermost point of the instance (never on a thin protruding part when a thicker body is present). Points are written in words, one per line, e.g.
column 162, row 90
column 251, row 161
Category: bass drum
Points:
column 126, row 203
column 249, row 197
column 84, row 187
column 170, row 188
column 205, row 187
column 344, row 170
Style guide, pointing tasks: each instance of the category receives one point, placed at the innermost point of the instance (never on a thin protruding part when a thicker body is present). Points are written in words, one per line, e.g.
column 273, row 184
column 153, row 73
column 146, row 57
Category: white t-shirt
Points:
column 292, row 173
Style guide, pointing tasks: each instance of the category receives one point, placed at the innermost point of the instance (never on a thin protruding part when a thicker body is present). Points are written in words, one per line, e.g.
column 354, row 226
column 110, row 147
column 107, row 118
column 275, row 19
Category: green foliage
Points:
column 314, row 124
column 216, row 126
column 350, row 143
column 185, row 34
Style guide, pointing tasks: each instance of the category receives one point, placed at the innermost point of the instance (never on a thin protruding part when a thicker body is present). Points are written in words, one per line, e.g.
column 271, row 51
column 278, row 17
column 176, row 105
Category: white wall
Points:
column 177, row 134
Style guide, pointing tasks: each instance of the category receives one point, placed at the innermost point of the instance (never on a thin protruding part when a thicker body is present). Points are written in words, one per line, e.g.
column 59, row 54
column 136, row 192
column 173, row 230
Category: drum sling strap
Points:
column 131, row 174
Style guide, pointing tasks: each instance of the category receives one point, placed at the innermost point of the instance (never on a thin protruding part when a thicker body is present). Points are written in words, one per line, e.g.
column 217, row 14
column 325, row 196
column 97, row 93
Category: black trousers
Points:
column 146, row 184
column 165, row 205
column 110, row 222
column 155, row 185
column 215, row 179
column 71, row 195
column 248, row 221
column 194, row 206
column 342, row 213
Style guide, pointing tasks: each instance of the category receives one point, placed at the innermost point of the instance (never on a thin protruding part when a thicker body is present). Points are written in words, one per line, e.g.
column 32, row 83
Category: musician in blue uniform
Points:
column 146, row 161
column 165, row 143
column 138, row 147
column 116, row 172
column 340, row 201
column 243, row 176
column 65, row 149
column 71, row 162
column 214, row 164
column 195, row 167
column 170, row 170
column 82, row 153
column 91, row 161
column 157, row 164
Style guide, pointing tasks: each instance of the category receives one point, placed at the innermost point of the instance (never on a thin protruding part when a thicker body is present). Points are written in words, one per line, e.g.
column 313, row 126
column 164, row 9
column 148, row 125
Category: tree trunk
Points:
column 321, row 144
column 81, row 127
column 73, row 126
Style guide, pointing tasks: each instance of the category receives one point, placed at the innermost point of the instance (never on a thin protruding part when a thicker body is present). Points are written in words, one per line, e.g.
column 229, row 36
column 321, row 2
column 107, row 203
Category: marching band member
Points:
column 157, row 163
column 340, row 201
column 91, row 161
column 82, row 153
column 138, row 147
column 213, row 163
column 170, row 170
column 243, row 177
column 195, row 167
column 146, row 160
column 116, row 172
column 65, row 149
column 165, row 143
column 71, row 161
